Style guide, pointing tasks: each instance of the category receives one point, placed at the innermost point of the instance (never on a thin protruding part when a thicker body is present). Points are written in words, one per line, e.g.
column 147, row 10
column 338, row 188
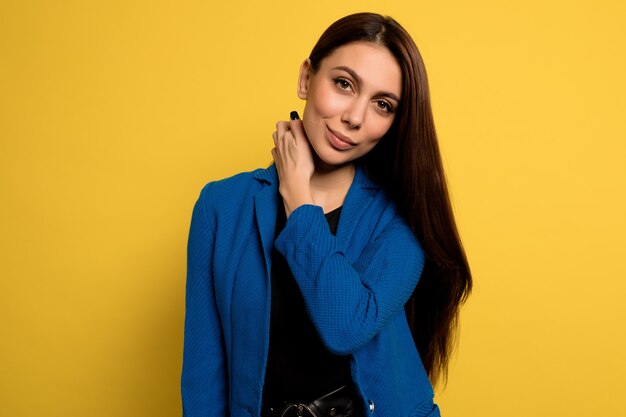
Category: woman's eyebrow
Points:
column 358, row 80
column 351, row 72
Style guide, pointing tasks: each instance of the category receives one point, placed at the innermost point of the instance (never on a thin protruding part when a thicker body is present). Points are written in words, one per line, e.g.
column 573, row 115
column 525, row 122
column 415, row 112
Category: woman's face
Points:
column 351, row 101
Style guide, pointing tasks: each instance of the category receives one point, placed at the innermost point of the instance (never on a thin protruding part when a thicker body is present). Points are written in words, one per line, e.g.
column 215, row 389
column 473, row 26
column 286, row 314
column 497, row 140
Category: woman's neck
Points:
column 330, row 184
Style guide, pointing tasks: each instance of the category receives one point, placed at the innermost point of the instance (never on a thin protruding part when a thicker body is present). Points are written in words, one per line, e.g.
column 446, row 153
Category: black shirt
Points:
column 299, row 367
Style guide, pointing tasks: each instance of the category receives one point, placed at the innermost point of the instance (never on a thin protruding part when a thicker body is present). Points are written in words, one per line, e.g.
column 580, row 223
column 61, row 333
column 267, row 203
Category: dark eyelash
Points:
column 342, row 82
column 389, row 107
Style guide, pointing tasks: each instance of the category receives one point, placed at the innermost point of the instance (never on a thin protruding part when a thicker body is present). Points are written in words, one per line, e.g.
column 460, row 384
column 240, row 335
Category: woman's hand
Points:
column 294, row 163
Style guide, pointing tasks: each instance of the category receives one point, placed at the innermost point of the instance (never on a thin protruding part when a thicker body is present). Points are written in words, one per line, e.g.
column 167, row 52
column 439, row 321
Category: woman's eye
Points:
column 384, row 106
column 342, row 83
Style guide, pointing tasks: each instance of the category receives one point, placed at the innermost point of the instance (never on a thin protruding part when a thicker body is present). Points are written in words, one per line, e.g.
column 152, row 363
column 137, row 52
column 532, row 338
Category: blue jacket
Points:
column 354, row 285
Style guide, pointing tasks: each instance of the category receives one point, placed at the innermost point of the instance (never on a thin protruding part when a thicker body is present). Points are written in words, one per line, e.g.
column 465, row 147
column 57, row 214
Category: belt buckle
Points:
column 300, row 408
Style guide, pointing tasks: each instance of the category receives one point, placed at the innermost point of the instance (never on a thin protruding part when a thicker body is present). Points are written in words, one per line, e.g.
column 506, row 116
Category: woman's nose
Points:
column 354, row 114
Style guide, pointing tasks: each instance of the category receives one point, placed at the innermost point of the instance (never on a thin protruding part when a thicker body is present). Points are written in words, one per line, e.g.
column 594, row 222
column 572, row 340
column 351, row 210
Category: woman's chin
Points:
column 330, row 160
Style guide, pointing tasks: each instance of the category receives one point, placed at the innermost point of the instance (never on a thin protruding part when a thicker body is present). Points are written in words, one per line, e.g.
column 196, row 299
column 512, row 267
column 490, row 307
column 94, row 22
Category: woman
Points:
column 302, row 290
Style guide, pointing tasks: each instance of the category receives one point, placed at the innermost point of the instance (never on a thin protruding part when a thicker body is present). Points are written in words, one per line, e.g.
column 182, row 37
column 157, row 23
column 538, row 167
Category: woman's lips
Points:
column 338, row 140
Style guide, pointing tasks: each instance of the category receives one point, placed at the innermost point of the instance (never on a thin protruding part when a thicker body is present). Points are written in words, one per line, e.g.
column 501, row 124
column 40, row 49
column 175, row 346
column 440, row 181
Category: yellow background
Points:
column 113, row 114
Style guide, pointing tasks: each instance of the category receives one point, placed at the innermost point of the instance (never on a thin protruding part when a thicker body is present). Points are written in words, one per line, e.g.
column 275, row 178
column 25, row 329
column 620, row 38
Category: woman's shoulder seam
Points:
column 226, row 190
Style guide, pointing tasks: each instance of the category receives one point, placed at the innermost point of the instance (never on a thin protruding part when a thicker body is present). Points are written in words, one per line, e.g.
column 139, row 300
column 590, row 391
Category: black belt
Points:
column 342, row 402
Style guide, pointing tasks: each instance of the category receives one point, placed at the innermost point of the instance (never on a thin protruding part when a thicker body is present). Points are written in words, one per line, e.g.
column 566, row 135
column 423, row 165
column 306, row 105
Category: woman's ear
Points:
column 304, row 79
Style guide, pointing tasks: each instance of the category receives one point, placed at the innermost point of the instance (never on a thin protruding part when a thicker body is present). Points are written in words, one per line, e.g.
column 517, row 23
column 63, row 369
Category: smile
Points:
column 338, row 141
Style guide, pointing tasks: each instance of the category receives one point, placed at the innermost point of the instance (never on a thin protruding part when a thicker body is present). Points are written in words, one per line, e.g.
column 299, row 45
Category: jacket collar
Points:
column 266, row 202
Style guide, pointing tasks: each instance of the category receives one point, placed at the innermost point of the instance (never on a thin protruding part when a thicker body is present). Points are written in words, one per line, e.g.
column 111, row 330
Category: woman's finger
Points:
column 281, row 128
column 280, row 143
column 297, row 130
column 276, row 160
column 289, row 144
column 289, row 137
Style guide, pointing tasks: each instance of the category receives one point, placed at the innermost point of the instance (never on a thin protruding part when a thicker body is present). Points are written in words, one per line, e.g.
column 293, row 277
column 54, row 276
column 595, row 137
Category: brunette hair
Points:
column 408, row 163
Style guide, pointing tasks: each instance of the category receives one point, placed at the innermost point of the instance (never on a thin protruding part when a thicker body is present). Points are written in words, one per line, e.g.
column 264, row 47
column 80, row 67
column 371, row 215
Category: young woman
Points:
column 329, row 284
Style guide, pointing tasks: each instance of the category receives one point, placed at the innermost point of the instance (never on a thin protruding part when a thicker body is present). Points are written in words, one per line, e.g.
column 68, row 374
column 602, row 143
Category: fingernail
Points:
column 294, row 115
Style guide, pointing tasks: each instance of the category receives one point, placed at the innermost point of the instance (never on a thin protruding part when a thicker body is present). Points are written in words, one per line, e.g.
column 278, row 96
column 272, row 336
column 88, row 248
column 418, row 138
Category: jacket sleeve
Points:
column 203, row 383
column 349, row 302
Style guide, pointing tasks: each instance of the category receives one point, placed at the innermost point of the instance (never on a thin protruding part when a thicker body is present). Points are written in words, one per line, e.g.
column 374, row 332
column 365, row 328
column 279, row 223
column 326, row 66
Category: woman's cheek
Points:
column 385, row 128
column 381, row 125
column 328, row 103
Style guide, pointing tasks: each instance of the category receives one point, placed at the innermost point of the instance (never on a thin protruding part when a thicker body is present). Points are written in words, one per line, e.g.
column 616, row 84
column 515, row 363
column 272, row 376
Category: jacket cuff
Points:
column 308, row 235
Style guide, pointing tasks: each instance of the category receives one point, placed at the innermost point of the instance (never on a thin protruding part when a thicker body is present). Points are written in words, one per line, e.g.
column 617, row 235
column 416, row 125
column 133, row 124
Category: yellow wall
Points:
column 113, row 114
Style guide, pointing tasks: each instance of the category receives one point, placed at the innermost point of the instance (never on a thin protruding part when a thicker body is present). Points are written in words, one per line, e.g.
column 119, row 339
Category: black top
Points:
column 299, row 367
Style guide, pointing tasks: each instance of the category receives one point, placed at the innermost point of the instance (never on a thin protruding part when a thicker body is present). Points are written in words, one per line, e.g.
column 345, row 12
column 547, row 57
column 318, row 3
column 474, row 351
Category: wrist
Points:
column 296, row 198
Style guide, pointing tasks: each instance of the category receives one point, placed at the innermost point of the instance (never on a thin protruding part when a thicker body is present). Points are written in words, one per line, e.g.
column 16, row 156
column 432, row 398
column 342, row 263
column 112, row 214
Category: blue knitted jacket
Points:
column 354, row 286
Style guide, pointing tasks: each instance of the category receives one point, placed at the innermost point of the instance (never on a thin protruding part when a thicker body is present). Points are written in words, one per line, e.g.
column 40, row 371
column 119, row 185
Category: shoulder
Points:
column 373, row 217
column 374, row 208
column 232, row 191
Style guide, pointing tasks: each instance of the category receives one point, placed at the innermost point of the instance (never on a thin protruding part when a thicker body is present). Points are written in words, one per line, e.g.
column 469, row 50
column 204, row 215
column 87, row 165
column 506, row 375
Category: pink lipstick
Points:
column 338, row 141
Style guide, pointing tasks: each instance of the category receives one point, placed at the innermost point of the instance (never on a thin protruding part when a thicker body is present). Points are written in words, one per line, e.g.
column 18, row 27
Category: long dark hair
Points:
column 408, row 163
